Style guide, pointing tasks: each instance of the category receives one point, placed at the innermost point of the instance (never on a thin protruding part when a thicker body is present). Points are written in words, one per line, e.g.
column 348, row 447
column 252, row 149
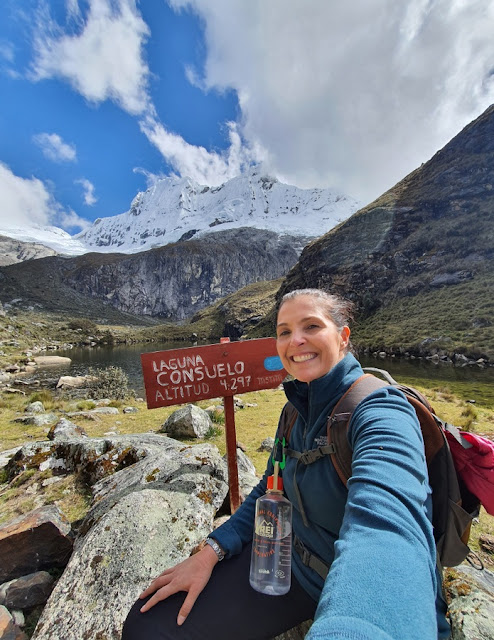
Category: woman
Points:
column 376, row 537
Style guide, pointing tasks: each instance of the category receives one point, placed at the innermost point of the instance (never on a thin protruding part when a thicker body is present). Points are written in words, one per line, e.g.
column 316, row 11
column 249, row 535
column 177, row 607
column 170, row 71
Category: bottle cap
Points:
column 271, row 482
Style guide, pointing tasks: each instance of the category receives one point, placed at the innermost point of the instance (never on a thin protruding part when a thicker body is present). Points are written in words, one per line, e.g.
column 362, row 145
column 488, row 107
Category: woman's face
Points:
column 308, row 342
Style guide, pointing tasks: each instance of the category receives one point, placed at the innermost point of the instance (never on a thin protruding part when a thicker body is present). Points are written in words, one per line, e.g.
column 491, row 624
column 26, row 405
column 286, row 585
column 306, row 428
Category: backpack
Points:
column 454, row 503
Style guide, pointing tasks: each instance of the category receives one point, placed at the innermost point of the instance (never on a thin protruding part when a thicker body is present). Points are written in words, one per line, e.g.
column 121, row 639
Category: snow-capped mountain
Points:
column 180, row 209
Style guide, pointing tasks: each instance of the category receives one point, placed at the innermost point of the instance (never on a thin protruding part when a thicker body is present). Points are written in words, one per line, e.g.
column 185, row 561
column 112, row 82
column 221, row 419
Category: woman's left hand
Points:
column 191, row 575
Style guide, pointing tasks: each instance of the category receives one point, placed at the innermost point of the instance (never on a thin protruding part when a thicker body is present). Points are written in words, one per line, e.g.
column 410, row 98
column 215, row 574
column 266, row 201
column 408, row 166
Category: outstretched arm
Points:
column 382, row 583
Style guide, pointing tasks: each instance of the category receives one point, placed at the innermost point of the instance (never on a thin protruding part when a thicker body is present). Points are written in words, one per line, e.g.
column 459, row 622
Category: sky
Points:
column 101, row 98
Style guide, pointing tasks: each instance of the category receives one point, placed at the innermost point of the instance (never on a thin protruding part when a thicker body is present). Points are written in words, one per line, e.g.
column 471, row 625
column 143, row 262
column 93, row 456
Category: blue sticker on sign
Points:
column 273, row 363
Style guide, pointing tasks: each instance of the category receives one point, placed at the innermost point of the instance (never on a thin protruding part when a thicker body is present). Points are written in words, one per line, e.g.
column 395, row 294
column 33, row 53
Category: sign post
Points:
column 179, row 376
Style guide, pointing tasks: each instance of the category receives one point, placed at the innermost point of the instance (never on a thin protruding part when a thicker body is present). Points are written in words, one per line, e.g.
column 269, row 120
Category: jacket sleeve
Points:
column 238, row 529
column 382, row 583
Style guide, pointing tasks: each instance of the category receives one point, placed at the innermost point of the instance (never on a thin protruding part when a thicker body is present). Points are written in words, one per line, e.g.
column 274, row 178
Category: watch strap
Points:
column 216, row 548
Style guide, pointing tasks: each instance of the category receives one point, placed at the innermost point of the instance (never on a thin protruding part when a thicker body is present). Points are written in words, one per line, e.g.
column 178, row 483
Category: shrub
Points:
column 111, row 382
column 83, row 324
column 44, row 395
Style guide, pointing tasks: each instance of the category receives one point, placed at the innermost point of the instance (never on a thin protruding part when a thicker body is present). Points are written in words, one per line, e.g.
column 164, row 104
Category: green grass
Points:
column 459, row 318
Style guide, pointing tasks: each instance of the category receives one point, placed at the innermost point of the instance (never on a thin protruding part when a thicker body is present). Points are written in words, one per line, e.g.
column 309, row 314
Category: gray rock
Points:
column 66, row 430
column 42, row 419
column 50, row 361
column 267, row 444
column 297, row 633
column 28, row 591
column 244, row 464
column 471, row 606
column 153, row 529
column 105, row 411
column 35, row 407
column 187, row 422
column 72, row 382
column 130, row 410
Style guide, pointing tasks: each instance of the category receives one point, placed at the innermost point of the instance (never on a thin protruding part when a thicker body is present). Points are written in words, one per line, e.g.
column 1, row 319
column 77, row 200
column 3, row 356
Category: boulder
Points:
column 32, row 542
column 66, row 430
column 72, row 382
column 35, row 407
column 187, row 422
column 28, row 591
column 52, row 361
column 267, row 444
column 470, row 596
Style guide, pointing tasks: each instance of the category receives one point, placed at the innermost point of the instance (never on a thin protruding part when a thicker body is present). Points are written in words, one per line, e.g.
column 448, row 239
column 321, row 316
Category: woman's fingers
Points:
column 161, row 594
column 156, row 584
column 189, row 602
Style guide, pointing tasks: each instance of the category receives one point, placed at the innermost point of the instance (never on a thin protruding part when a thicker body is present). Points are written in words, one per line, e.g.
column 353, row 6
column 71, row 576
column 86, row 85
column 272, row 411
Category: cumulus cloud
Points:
column 70, row 221
column 102, row 58
column 88, row 191
column 54, row 148
column 23, row 200
column 28, row 201
column 354, row 94
column 205, row 167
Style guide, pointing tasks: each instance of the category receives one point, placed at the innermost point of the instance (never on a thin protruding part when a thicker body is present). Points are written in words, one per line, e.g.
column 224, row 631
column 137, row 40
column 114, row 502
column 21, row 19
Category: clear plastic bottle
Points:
column 271, row 560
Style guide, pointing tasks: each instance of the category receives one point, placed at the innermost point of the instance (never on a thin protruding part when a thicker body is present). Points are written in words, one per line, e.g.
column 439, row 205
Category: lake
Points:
column 468, row 382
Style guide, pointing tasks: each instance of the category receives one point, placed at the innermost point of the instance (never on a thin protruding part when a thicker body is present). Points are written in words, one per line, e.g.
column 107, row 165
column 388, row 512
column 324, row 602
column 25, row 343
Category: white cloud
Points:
column 54, row 148
column 354, row 95
column 102, row 59
column 151, row 178
column 205, row 167
column 23, row 200
column 70, row 221
column 28, row 201
column 88, row 188
column 6, row 50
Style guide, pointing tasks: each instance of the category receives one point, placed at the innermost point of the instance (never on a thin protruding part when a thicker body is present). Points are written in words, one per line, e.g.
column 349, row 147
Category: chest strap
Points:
column 306, row 457
column 309, row 559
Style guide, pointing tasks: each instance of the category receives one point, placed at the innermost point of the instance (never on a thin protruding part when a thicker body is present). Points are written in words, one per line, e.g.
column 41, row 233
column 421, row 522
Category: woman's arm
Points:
column 382, row 583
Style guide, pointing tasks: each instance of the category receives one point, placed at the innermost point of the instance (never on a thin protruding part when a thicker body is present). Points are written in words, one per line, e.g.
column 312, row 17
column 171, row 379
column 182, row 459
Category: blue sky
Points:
column 100, row 98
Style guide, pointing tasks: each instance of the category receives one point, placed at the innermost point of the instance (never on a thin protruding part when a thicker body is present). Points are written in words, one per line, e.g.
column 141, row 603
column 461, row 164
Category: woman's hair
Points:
column 338, row 310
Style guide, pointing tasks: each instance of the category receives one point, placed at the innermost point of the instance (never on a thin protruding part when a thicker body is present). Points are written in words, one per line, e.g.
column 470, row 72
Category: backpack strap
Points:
column 338, row 421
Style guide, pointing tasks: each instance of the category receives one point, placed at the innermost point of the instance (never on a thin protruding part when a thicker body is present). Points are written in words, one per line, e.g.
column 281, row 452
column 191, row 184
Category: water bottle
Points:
column 271, row 560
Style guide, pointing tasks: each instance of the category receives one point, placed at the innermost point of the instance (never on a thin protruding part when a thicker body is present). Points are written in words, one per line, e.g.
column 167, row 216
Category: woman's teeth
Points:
column 304, row 357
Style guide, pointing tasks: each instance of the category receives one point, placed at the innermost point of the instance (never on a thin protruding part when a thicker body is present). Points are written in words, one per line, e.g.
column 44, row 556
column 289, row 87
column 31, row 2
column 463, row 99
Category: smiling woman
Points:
column 374, row 540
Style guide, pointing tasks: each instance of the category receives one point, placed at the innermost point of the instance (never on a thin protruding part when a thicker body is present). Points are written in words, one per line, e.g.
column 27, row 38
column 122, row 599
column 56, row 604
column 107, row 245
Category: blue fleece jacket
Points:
column 377, row 536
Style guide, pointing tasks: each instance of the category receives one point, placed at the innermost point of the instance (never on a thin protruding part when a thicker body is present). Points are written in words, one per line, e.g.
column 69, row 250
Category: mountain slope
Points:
column 433, row 231
column 13, row 251
column 171, row 282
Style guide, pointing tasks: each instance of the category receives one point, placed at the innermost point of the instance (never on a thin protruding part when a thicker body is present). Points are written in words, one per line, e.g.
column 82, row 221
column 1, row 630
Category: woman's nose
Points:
column 297, row 338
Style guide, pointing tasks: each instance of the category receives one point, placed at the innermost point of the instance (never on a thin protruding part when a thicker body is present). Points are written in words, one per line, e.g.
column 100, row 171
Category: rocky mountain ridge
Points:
column 170, row 282
column 177, row 209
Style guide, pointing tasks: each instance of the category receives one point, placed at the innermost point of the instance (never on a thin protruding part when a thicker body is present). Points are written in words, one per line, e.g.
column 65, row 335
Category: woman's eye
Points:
column 312, row 326
column 281, row 334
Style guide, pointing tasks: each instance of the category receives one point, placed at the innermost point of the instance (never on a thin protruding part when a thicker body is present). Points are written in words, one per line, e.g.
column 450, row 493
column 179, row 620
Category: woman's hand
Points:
column 191, row 575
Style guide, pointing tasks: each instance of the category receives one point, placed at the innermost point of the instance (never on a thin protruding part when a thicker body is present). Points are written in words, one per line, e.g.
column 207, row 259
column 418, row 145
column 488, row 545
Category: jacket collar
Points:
column 323, row 393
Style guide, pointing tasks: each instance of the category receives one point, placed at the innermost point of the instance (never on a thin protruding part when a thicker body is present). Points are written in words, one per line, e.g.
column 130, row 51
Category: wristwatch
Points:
column 216, row 548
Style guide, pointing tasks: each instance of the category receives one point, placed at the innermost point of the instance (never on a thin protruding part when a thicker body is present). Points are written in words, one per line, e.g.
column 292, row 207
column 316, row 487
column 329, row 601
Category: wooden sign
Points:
column 180, row 376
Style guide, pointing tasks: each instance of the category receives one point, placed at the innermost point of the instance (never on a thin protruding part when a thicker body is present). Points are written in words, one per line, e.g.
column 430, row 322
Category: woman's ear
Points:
column 345, row 337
